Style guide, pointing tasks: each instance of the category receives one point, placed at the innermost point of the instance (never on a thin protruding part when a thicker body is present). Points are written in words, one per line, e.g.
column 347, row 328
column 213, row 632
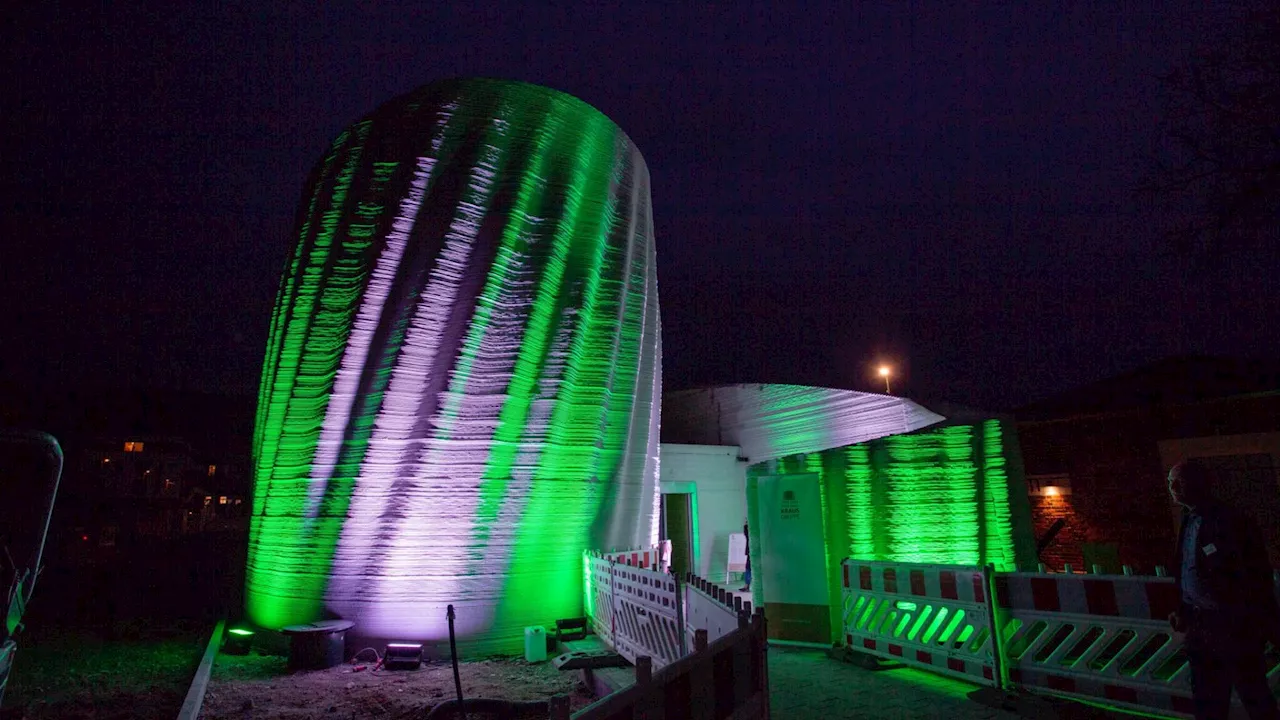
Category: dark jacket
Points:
column 1237, row 574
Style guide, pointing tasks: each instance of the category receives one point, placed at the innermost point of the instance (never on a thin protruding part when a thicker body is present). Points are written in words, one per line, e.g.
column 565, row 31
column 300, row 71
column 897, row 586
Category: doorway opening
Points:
column 676, row 523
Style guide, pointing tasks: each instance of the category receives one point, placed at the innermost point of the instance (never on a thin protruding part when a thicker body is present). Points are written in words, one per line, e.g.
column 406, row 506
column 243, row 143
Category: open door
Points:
column 677, row 526
column 793, row 556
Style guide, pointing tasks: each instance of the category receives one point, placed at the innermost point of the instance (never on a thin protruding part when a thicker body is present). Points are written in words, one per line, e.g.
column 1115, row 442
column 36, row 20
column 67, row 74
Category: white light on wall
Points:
column 1049, row 485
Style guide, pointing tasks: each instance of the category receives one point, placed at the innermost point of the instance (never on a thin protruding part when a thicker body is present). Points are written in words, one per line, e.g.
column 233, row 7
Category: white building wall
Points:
column 718, row 482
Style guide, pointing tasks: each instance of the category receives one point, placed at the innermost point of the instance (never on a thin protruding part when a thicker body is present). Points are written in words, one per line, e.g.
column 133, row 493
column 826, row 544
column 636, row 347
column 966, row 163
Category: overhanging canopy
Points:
column 770, row 421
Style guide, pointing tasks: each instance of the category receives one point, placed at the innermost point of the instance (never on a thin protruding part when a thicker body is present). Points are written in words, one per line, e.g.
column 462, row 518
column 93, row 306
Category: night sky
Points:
column 950, row 189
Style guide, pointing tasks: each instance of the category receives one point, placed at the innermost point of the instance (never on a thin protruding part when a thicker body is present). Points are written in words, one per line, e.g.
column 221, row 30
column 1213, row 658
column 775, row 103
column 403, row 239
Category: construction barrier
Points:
column 727, row 678
column 710, row 607
column 638, row 611
column 936, row 617
column 599, row 598
column 1098, row 637
column 647, row 615
column 657, row 557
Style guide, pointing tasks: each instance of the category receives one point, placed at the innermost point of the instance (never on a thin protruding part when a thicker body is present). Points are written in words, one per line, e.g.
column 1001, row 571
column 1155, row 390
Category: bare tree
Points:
column 1216, row 180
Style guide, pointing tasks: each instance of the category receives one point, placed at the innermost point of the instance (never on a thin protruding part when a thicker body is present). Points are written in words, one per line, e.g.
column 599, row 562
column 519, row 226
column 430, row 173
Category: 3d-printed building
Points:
column 461, row 385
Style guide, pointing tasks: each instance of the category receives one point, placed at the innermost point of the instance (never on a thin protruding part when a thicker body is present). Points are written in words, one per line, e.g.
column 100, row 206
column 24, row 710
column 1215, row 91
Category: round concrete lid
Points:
column 320, row 626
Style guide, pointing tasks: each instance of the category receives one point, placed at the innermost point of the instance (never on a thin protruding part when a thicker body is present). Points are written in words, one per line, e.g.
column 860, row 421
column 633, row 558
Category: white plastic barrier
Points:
column 636, row 610
column 1098, row 637
column 709, row 607
column 648, row 615
column 599, row 598
column 936, row 617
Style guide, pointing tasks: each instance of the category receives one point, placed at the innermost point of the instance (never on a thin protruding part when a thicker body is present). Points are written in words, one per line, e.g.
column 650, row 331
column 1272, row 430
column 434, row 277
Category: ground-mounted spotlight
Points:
column 402, row 656
column 238, row 642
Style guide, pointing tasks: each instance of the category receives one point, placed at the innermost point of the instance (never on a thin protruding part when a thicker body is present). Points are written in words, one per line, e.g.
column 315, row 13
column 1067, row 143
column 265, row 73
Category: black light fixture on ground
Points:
column 402, row 656
column 238, row 642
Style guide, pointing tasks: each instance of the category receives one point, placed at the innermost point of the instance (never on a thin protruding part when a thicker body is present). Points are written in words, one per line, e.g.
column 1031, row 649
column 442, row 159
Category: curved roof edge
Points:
column 773, row 421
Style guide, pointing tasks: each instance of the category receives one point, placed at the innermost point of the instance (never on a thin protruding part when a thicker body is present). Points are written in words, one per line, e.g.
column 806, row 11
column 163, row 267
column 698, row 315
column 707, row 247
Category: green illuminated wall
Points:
column 950, row 494
column 459, row 390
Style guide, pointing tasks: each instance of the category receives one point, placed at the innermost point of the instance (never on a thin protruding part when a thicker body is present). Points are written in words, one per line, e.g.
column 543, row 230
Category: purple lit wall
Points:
column 460, row 392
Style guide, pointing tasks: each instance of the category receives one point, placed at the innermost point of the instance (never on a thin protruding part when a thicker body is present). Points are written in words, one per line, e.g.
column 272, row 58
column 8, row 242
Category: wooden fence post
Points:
column 743, row 658
column 649, row 703
column 644, row 670
column 761, row 629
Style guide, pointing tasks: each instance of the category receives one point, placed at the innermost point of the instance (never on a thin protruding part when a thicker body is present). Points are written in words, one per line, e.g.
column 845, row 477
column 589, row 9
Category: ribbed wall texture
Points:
column 773, row 421
column 947, row 494
column 938, row 495
column 461, row 385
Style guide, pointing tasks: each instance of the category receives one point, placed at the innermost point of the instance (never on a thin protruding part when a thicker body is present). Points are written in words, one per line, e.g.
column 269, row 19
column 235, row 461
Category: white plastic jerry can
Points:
column 535, row 644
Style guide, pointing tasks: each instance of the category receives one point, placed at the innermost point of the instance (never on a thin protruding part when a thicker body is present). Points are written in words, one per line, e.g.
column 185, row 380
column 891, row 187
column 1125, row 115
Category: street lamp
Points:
column 885, row 371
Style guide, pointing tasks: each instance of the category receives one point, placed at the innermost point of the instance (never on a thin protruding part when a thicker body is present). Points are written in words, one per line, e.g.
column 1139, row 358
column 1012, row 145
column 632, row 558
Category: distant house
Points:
column 132, row 488
column 140, row 465
column 1096, row 458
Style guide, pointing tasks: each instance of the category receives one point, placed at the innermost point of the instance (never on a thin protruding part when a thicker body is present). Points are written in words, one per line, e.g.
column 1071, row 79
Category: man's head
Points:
column 1191, row 483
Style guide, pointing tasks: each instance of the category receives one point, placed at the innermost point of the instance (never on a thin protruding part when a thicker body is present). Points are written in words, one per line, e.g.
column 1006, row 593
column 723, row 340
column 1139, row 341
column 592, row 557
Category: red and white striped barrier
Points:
column 936, row 617
column 1138, row 597
column 599, row 598
column 648, row 615
column 657, row 557
column 1098, row 637
column 636, row 609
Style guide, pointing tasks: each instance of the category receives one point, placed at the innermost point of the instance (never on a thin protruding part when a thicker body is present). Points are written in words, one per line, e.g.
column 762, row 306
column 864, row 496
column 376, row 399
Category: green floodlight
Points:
column 239, row 641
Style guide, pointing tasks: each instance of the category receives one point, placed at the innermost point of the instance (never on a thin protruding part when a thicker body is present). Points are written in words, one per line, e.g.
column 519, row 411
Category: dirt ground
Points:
column 260, row 687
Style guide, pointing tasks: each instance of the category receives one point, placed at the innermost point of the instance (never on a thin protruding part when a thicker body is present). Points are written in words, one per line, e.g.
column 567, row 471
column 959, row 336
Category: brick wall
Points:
column 1066, row 546
column 1118, row 492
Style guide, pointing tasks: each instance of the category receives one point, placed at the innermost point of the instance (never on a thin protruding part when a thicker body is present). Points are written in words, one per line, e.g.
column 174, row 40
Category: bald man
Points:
column 1228, row 608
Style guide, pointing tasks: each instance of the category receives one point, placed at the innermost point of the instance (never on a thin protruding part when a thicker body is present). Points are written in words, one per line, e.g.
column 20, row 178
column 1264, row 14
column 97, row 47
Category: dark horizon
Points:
column 950, row 191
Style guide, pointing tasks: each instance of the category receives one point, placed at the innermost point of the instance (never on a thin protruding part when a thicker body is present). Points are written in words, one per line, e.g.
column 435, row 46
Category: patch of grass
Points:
column 76, row 674
column 254, row 666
